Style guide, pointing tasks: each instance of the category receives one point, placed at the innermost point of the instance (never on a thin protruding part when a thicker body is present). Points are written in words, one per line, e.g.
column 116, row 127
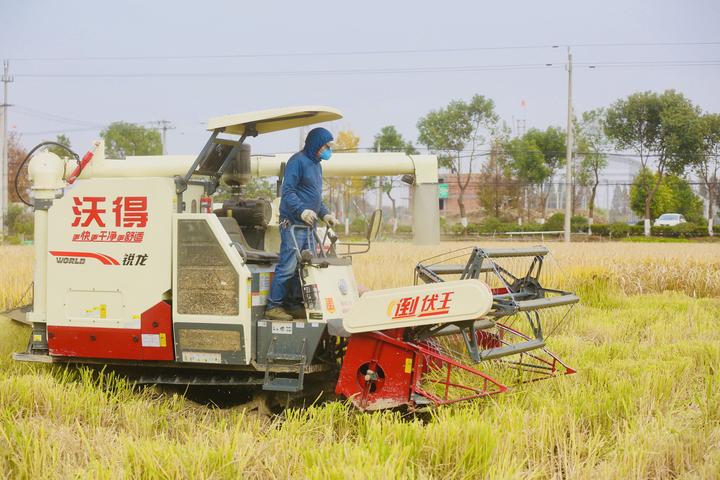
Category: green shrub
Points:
column 684, row 230
column 13, row 240
column 474, row 228
column 457, row 229
column 358, row 225
column 601, row 229
column 557, row 222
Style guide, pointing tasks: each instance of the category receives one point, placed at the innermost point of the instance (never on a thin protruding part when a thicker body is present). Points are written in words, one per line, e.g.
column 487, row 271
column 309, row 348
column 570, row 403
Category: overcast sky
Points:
column 262, row 60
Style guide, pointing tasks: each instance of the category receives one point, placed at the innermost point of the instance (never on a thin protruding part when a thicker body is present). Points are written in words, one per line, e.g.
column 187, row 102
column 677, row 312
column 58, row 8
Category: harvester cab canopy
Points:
column 220, row 154
column 251, row 124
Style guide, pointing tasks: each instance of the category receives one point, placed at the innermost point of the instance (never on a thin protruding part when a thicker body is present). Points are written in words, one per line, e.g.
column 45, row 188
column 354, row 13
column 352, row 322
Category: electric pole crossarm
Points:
column 164, row 125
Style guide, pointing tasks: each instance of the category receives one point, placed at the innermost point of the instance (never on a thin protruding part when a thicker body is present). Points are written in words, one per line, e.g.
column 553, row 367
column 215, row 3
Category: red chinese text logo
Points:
column 87, row 211
column 128, row 211
column 428, row 305
column 125, row 212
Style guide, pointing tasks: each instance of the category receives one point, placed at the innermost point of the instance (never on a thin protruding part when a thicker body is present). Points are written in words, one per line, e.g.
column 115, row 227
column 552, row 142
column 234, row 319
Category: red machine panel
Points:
column 380, row 370
column 156, row 338
column 153, row 341
column 87, row 342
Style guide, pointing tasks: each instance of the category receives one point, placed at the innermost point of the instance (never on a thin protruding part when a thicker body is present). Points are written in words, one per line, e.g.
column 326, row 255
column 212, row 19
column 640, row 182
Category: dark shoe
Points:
column 298, row 312
column 277, row 313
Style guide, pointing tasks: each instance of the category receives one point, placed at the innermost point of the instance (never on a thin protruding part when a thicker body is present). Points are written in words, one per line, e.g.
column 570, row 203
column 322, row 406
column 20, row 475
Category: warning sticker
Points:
column 264, row 282
column 259, row 298
column 408, row 365
column 282, row 328
column 249, row 292
column 150, row 340
column 201, row 357
column 329, row 304
column 97, row 312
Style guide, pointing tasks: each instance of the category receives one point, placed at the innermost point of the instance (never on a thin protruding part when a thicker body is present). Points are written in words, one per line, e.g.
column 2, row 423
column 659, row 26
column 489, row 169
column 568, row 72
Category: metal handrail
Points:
column 241, row 249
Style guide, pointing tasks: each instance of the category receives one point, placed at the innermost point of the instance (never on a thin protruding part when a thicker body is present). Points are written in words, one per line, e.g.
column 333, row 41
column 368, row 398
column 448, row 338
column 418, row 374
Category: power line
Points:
column 85, row 129
column 464, row 154
column 367, row 52
column 375, row 71
column 53, row 117
column 461, row 68
column 70, row 130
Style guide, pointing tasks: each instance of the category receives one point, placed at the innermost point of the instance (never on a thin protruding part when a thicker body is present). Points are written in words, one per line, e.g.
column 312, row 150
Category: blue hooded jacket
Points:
column 302, row 183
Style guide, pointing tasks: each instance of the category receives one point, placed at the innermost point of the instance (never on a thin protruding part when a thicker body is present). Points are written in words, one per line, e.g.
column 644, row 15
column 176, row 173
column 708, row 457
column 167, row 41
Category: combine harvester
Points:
column 135, row 272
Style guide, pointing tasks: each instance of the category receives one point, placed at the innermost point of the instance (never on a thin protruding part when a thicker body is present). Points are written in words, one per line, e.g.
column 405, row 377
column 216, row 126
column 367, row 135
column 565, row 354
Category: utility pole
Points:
column 6, row 78
column 164, row 125
column 378, row 202
column 301, row 138
column 568, row 155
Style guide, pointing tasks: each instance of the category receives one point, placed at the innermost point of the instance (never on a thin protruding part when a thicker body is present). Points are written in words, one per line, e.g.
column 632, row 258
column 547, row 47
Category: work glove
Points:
column 330, row 220
column 309, row 217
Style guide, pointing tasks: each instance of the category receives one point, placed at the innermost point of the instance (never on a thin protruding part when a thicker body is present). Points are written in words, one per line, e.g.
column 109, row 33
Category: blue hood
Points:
column 315, row 140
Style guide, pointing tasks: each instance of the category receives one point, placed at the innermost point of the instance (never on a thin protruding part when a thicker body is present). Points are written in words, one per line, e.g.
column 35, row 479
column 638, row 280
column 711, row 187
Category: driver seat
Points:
column 253, row 255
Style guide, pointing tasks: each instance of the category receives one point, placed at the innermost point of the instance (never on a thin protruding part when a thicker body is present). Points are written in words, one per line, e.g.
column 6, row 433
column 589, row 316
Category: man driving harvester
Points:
column 301, row 204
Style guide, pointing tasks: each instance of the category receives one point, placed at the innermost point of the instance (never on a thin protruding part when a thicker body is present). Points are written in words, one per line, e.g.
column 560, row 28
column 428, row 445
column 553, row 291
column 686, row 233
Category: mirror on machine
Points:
column 354, row 248
column 374, row 227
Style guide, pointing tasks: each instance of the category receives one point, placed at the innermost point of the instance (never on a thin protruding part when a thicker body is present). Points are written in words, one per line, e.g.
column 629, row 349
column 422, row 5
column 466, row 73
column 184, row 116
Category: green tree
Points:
column 456, row 133
column 341, row 190
column 536, row 156
column 16, row 154
column 259, row 188
column 591, row 142
column 687, row 202
column 673, row 195
column 61, row 152
column 706, row 164
column 19, row 219
column 657, row 127
column 124, row 139
column 500, row 190
column 390, row 140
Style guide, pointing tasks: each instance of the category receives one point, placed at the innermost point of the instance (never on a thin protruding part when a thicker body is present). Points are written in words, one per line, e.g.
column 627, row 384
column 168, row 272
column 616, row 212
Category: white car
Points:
column 669, row 220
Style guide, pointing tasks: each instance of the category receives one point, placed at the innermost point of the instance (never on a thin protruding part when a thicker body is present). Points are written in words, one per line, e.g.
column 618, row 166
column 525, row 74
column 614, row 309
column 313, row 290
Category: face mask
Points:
column 325, row 155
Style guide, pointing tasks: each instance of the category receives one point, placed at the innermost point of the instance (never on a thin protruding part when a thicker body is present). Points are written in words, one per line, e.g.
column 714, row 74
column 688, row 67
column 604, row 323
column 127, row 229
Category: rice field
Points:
column 645, row 402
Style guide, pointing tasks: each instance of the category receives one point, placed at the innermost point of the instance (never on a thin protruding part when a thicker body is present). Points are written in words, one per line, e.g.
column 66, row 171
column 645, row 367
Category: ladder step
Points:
column 283, row 384
column 493, row 353
column 483, row 324
column 539, row 303
column 515, row 252
column 286, row 356
column 450, row 269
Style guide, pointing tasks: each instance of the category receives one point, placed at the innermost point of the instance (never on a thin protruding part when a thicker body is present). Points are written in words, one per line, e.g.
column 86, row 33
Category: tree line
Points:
column 671, row 137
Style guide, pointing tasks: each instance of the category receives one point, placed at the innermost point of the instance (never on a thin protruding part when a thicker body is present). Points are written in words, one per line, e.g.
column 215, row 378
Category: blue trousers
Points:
column 285, row 289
